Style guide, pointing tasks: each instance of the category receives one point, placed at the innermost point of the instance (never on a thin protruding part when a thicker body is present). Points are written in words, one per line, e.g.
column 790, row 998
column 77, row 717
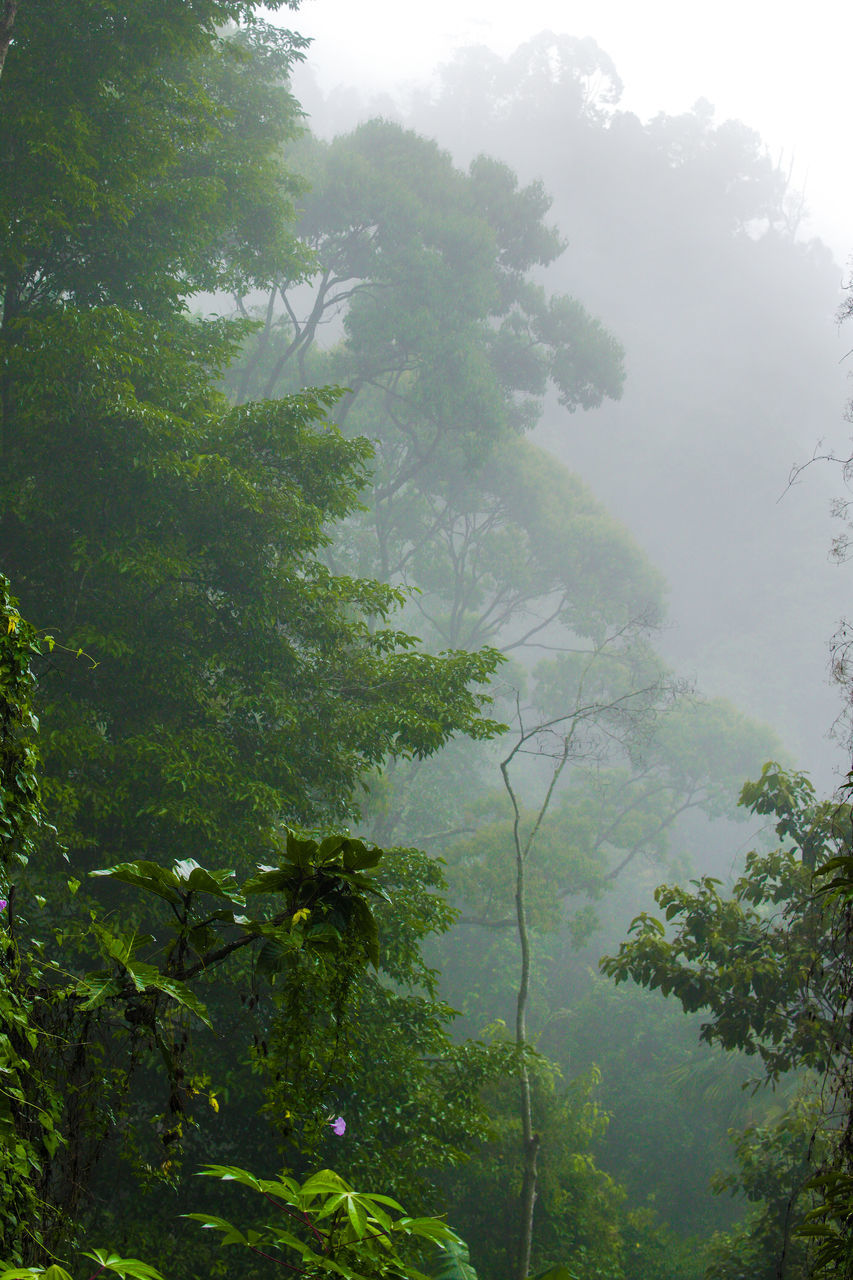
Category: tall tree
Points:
column 733, row 356
column 212, row 678
column 72, row 1041
column 424, row 307
column 448, row 344
column 769, row 967
column 173, row 539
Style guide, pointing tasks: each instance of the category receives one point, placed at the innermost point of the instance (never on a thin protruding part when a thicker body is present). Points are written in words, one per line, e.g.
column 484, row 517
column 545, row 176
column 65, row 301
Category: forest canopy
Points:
column 337, row 739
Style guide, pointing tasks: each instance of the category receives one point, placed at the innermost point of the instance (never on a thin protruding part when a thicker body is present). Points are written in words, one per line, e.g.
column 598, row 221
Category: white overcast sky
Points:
column 784, row 68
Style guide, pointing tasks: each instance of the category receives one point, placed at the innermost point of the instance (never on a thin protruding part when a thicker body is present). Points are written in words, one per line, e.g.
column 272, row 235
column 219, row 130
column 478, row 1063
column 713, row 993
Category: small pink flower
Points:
column 339, row 1126
column 4, row 902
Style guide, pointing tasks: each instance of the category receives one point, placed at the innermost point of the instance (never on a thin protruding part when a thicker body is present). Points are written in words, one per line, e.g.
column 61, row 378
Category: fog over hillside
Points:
column 691, row 243
column 413, row 644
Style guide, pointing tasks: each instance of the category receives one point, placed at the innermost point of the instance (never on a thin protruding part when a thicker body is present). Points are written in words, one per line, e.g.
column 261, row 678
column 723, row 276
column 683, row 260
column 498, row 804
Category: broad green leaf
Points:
column 324, row 1180
column 99, row 986
column 303, row 853
column 275, row 953
column 145, row 976
column 199, row 880
column 329, row 847
column 358, row 857
column 145, row 875
column 269, row 880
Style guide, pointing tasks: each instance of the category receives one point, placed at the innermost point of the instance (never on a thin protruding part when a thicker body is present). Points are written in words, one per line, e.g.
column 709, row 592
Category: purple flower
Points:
column 4, row 902
column 339, row 1126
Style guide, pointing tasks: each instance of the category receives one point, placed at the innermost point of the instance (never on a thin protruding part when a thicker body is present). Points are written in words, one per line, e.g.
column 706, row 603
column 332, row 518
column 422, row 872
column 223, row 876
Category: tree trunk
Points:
column 530, row 1140
column 7, row 22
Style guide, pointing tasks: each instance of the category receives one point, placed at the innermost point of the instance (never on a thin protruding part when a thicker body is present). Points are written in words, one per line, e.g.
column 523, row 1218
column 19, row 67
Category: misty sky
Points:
column 782, row 70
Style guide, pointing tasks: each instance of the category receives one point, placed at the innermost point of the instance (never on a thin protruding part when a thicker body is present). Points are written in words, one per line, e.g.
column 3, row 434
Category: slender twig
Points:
column 272, row 1258
column 300, row 1214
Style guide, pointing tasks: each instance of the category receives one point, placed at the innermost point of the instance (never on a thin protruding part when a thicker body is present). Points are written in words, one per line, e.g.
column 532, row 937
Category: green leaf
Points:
column 303, row 853
column 230, row 1173
column 269, row 880
column 199, row 880
column 364, row 921
column 275, row 953
column 454, row 1262
column 28, row 1273
column 357, row 1217
column 145, row 875
column 124, row 1266
column 97, row 987
column 210, row 1222
column 147, row 976
column 324, row 1181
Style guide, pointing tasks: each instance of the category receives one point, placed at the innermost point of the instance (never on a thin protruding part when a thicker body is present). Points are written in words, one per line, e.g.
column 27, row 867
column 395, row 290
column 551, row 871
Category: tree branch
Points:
column 7, row 22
